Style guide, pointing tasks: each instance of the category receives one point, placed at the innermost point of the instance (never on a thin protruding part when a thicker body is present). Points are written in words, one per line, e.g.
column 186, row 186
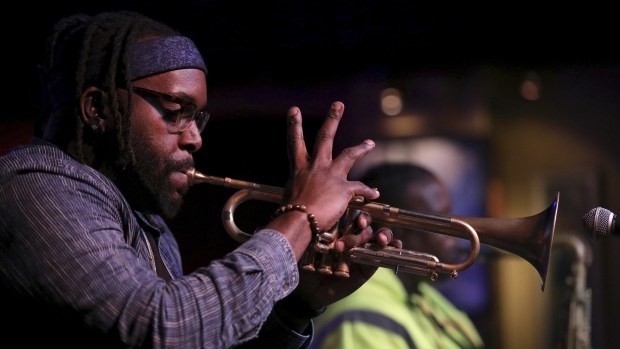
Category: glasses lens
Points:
column 185, row 117
column 184, row 120
column 201, row 120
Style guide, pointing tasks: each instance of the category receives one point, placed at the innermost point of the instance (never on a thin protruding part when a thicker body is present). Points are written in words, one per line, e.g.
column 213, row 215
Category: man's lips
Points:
column 179, row 180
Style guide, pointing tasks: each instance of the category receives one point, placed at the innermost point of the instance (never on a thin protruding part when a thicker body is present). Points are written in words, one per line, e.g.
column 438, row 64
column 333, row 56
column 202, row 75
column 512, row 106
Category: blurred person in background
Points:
column 402, row 310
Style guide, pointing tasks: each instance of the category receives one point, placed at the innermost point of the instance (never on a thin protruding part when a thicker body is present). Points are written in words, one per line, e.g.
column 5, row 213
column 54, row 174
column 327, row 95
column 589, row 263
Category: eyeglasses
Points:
column 179, row 120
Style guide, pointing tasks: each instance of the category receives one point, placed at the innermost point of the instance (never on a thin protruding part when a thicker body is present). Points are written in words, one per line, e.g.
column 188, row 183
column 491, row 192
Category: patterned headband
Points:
column 163, row 54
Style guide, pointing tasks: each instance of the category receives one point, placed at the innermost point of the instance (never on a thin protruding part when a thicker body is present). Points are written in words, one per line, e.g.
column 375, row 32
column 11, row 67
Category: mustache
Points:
column 180, row 165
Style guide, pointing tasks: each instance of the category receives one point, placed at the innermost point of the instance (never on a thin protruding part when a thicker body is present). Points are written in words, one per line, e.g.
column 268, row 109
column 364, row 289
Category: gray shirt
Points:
column 76, row 268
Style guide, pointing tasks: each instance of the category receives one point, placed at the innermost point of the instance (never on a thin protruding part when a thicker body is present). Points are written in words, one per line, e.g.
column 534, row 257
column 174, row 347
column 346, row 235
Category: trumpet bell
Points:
column 530, row 237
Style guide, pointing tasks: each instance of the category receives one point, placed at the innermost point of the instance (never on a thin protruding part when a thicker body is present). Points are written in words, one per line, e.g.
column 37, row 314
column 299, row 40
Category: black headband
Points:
column 163, row 54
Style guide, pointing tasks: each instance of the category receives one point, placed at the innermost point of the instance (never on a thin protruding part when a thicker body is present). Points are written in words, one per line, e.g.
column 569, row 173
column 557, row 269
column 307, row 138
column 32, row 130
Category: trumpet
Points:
column 527, row 237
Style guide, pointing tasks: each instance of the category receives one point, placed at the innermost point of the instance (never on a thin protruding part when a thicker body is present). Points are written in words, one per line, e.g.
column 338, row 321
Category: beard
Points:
column 147, row 185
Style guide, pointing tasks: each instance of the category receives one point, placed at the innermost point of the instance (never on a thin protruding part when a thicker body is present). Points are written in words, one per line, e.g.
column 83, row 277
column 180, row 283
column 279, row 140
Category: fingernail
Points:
column 293, row 111
column 336, row 110
column 369, row 142
column 337, row 105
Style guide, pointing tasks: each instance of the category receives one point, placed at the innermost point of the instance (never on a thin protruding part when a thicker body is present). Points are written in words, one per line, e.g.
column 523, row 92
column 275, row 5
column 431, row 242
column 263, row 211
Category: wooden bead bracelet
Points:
column 314, row 225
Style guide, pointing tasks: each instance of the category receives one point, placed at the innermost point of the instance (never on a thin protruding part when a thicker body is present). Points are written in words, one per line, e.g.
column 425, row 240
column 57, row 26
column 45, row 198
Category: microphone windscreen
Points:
column 598, row 222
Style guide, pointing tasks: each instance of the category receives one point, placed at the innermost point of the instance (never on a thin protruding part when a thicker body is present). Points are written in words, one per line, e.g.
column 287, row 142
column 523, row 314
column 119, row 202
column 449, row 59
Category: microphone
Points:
column 600, row 222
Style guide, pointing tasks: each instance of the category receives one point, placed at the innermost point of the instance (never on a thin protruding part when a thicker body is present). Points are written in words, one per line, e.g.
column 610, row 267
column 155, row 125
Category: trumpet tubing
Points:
column 527, row 237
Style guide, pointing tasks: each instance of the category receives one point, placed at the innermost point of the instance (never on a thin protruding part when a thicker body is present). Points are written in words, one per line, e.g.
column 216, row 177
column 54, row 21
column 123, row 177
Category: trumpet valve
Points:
column 341, row 268
column 324, row 242
column 325, row 264
column 319, row 262
column 307, row 260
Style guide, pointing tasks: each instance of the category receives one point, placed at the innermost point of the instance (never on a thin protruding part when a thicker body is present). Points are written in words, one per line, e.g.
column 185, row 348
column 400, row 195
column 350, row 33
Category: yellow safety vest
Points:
column 381, row 314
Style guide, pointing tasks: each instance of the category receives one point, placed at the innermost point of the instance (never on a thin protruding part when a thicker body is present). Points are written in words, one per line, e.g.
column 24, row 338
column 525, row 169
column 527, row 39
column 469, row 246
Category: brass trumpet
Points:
column 527, row 237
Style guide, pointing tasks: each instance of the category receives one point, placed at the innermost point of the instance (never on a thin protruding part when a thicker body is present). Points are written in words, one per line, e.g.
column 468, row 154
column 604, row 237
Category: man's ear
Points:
column 92, row 109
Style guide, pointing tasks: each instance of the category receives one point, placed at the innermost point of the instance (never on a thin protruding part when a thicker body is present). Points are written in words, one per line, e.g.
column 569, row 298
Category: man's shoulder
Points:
column 40, row 161
column 33, row 155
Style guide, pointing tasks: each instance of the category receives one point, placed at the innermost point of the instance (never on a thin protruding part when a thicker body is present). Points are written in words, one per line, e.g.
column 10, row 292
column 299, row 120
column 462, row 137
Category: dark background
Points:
column 264, row 57
column 296, row 43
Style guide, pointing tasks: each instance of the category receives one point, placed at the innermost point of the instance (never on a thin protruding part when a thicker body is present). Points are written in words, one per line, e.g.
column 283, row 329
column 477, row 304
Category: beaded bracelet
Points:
column 314, row 225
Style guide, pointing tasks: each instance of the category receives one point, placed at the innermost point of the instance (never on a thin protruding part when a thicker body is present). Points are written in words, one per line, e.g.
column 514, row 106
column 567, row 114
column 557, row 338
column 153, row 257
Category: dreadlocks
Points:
column 88, row 51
